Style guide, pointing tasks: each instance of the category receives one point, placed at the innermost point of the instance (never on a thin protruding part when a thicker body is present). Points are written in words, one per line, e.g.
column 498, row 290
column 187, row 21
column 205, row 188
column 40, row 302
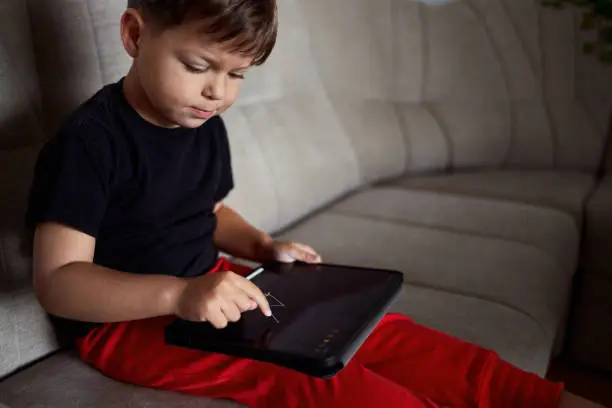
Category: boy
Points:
column 127, row 203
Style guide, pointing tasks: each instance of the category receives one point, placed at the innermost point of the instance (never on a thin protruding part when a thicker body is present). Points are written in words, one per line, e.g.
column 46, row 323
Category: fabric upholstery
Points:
column 19, row 93
column 24, row 334
column 473, row 83
column 431, row 240
column 480, row 216
column 517, row 338
column 78, row 50
column 63, row 380
column 565, row 191
column 277, row 132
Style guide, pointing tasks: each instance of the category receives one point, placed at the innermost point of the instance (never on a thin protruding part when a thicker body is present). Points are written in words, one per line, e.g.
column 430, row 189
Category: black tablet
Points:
column 322, row 314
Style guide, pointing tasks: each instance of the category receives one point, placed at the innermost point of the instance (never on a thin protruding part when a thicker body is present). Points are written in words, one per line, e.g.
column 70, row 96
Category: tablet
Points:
column 322, row 314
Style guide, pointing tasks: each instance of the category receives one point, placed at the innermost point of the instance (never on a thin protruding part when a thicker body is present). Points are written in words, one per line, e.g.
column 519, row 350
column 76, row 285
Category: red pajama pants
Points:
column 401, row 364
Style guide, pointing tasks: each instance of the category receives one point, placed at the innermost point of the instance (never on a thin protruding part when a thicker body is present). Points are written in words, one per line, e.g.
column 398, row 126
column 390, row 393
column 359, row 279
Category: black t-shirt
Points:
column 144, row 192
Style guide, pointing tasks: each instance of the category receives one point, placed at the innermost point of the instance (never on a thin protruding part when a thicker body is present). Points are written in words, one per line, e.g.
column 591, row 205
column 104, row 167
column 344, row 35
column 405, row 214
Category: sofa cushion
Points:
column 24, row 336
column 517, row 338
column 473, row 84
column 19, row 92
column 565, row 191
column 63, row 380
column 25, row 333
column 514, row 255
column 478, row 216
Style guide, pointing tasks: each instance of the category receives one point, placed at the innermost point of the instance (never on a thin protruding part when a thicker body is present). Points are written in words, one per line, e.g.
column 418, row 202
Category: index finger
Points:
column 256, row 294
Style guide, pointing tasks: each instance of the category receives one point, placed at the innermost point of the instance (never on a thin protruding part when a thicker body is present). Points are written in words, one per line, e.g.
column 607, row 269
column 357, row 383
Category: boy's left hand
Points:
column 289, row 252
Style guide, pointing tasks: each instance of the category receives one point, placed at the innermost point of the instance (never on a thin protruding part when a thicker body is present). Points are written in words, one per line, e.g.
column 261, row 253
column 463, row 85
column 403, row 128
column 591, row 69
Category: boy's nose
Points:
column 215, row 88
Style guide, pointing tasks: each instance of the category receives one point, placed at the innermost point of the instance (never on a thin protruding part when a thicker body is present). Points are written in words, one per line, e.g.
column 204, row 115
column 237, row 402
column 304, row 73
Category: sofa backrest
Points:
column 24, row 333
column 290, row 153
column 361, row 90
column 471, row 84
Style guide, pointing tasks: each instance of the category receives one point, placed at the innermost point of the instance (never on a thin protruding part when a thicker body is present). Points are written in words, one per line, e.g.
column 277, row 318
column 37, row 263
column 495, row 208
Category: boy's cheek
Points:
column 230, row 99
column 226, row 106
column 222, row 110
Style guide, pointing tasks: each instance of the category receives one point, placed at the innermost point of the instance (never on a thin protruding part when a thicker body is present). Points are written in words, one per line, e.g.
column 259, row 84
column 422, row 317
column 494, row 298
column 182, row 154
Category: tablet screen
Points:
column 318, row 310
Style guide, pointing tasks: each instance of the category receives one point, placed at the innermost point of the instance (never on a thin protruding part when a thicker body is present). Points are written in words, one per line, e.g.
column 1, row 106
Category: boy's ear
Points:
column 132, row 25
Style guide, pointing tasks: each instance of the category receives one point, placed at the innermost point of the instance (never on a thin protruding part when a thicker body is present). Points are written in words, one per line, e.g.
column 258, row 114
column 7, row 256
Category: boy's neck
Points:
column 138, row 100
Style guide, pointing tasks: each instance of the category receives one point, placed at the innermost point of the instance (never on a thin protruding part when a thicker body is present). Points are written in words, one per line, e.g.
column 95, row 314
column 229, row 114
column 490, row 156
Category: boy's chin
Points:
column 191, row 122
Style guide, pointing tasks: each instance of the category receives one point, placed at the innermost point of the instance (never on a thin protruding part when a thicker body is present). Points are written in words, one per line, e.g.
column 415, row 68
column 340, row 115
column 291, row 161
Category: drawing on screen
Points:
column 274, row 302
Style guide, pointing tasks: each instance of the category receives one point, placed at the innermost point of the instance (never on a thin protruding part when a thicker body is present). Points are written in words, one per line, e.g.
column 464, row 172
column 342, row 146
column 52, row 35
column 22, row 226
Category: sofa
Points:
column 461, row 144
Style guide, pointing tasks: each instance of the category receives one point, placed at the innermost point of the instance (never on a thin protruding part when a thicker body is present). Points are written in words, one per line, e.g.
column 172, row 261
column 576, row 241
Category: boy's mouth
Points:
column 202, row 114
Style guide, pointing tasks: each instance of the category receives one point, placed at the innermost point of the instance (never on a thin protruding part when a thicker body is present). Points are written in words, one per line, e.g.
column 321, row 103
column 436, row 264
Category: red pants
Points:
column 401, row 364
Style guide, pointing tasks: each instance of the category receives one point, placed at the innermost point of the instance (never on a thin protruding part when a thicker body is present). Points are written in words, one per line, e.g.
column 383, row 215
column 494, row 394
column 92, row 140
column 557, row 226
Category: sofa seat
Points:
column 475, row 265
column 63, row 380
column 485, row 259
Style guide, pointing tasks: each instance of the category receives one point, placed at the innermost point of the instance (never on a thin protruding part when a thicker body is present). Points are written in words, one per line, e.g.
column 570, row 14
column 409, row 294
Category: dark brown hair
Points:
column 246, row 26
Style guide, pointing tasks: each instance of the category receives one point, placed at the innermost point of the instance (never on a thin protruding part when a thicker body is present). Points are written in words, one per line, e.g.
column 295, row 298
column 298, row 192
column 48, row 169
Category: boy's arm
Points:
column 69, row 285
column 235, row 236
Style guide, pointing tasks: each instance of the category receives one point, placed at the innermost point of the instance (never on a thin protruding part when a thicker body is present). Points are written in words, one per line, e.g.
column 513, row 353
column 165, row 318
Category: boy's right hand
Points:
column 219, row 298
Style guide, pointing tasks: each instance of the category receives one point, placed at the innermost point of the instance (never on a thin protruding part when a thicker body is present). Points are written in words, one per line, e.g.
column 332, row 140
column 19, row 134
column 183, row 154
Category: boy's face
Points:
column 184, row 79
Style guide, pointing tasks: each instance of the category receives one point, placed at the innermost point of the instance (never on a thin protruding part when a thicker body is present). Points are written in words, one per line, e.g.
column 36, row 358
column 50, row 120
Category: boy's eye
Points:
column 237, row 75
column 195, row 70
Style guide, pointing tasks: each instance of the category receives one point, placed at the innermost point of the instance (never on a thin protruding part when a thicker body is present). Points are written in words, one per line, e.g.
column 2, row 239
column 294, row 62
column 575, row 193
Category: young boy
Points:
column 127, row 206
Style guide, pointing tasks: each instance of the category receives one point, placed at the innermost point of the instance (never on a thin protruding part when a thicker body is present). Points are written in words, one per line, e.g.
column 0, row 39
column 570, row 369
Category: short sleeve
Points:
column 71, row 181
column 226, row 182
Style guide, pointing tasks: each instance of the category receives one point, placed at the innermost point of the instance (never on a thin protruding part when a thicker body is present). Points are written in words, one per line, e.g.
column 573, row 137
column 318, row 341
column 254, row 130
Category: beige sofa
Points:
column 457, row 143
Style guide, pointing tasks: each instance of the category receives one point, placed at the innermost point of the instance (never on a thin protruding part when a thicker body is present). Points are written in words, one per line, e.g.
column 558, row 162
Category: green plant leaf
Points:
column 589, row 47
column 589, row 21
column 603, row 8
column 583, row 3
column 606, row 56
column 597, row 15
column 606, row 35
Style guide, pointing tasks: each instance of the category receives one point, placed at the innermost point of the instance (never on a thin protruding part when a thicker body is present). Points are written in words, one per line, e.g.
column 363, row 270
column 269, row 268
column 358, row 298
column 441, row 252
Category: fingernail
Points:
column 268, row 313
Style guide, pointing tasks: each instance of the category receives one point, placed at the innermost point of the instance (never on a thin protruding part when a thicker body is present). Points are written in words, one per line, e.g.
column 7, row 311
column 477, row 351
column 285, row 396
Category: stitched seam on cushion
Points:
column 551, row 207
column 483, row 299
column 554, row 131
column 519, row 37
column 511, row 110
column 449, row 166
column 468, row 294
column 96, row 41
column 275, row 193
column 455, row 231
